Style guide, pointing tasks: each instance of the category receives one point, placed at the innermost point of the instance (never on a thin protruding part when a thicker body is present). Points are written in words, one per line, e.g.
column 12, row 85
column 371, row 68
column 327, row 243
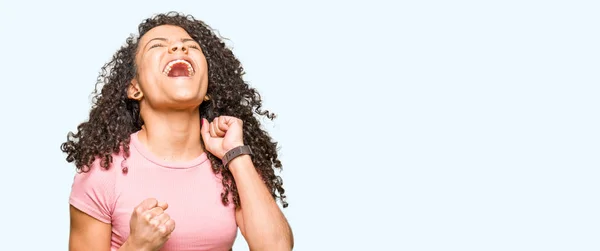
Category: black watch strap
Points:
column 235, row 152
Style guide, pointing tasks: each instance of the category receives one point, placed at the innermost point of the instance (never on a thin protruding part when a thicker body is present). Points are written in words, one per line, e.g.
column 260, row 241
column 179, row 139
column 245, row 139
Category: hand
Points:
column 150, row 226
column 222, row 134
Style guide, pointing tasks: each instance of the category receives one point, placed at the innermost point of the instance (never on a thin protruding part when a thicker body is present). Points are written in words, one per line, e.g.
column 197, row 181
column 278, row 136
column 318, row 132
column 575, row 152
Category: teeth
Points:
column 170, row 65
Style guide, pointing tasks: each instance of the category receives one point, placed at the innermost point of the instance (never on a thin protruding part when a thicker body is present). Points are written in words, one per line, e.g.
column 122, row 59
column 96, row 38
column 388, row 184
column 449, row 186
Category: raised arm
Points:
column 260, row 220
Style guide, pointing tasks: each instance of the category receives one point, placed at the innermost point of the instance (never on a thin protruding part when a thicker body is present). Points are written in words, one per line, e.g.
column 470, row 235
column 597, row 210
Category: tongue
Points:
column 179, row 70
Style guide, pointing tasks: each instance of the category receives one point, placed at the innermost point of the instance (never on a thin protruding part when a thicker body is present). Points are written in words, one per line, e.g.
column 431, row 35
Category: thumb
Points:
column 204, row 129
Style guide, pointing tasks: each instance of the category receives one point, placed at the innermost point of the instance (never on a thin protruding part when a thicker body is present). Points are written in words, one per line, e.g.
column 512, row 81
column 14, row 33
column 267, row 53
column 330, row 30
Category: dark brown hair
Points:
column 114, row 117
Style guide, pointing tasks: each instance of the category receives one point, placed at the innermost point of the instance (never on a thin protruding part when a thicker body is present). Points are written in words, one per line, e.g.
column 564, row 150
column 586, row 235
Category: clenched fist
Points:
column 222, row 134
column 150, row 227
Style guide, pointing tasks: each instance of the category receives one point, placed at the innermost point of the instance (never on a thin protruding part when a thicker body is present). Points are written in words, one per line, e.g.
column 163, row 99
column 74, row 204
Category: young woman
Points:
column 172, row 156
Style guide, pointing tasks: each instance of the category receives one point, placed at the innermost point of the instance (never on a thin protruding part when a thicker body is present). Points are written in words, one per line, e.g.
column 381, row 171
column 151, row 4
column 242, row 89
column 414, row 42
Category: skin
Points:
column 173, row 132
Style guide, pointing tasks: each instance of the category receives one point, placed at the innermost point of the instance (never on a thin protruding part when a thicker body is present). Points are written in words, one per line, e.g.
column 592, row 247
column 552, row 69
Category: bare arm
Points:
column 261, row 222
column 259, row 218
column 89, row 234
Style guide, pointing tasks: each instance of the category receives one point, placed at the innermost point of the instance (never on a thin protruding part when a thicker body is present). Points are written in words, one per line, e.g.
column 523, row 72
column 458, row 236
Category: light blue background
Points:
column 415, row 125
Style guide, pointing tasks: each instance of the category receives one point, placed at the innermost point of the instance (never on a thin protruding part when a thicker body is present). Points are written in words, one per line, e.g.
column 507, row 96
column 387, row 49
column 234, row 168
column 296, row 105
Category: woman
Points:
column 172, row 156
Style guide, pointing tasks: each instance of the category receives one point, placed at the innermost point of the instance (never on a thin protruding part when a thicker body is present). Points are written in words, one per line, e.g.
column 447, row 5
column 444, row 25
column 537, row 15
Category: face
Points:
column 172, row 72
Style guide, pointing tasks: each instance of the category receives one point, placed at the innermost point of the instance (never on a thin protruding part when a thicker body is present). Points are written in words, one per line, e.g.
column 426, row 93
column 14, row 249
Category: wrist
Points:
column 235, row 153
column 232, row 146
column 239, row 162
column 129, row 245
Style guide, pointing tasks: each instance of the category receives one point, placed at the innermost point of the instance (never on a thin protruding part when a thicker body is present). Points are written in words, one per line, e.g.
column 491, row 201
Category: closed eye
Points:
column 194, row 46
column 155, row 45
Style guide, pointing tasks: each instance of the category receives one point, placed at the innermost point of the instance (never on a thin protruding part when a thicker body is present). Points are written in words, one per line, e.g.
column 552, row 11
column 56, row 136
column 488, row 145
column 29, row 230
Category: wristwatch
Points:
column 236, row 152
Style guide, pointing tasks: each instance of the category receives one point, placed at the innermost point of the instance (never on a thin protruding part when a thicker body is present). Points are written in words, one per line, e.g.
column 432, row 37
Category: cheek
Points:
column 204, row 64
column 201, row 61
column 148, row 71
column 150, row 60
column 203, row 71
column 146, row 79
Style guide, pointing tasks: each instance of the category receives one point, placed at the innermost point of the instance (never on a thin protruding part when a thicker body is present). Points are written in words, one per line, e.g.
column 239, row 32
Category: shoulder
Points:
column 94, row 189
column 116, row 163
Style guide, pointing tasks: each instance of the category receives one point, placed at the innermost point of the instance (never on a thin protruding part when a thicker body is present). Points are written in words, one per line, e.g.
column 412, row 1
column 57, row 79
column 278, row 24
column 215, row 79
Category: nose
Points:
column 178, row 47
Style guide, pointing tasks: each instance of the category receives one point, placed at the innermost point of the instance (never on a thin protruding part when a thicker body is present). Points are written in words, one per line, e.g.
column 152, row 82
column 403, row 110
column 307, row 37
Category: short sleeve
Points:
column 93, row 192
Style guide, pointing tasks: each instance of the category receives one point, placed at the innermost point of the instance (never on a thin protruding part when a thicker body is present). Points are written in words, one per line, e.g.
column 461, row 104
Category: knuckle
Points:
column 170, row 223
column 138, row 211
column 148, row 216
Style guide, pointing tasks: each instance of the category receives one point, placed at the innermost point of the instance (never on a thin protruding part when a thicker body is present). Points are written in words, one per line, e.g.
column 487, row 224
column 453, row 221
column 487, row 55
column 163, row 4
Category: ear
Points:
column 134, row 91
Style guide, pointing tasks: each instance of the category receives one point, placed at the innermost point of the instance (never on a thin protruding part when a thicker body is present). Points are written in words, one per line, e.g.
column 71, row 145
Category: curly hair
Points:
column 114, row 117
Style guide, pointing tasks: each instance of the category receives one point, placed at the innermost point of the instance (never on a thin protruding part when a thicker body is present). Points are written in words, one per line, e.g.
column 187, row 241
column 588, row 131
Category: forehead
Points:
column 170, row 32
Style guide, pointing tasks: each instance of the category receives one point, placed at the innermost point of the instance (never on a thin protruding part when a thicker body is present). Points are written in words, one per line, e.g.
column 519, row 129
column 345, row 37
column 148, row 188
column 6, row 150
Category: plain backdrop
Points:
column 403, row 125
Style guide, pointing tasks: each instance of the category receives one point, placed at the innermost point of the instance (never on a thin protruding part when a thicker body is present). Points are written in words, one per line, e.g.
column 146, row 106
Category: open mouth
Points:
column 179, row 68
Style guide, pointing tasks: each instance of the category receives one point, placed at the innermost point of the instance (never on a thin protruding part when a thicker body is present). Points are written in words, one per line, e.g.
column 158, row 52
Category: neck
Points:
column 173, row 135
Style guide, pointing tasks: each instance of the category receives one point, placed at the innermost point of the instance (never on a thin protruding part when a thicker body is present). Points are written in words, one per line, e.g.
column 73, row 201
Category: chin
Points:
column 183, row 92
column 185, row 99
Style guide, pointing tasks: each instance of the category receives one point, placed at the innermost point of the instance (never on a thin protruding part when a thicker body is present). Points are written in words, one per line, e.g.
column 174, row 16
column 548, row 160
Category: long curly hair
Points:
column 114, row 117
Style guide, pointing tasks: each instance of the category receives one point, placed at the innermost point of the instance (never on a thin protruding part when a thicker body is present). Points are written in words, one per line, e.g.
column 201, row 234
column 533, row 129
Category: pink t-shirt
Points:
column 191, row 189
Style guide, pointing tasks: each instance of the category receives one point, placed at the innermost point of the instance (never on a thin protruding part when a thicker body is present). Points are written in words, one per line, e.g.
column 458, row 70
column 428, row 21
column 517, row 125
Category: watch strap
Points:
column 236, row 152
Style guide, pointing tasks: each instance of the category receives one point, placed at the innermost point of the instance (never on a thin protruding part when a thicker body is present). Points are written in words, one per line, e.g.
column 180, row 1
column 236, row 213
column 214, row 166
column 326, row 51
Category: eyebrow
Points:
column 183, row 40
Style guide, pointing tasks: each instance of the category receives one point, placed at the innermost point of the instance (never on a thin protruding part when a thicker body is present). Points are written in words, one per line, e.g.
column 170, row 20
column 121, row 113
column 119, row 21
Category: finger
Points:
column 222, row 125
column 146, row 205
column 160, row 219
column 212, row 129
column 169, row 226
column 226, row 120
column 217, row 125
column 204, row 129
column 163, row 205
column 229, row 121
column 150, row 214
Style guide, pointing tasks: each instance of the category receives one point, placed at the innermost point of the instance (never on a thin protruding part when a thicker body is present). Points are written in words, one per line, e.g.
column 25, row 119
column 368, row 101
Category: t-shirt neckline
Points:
column 145, row 152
